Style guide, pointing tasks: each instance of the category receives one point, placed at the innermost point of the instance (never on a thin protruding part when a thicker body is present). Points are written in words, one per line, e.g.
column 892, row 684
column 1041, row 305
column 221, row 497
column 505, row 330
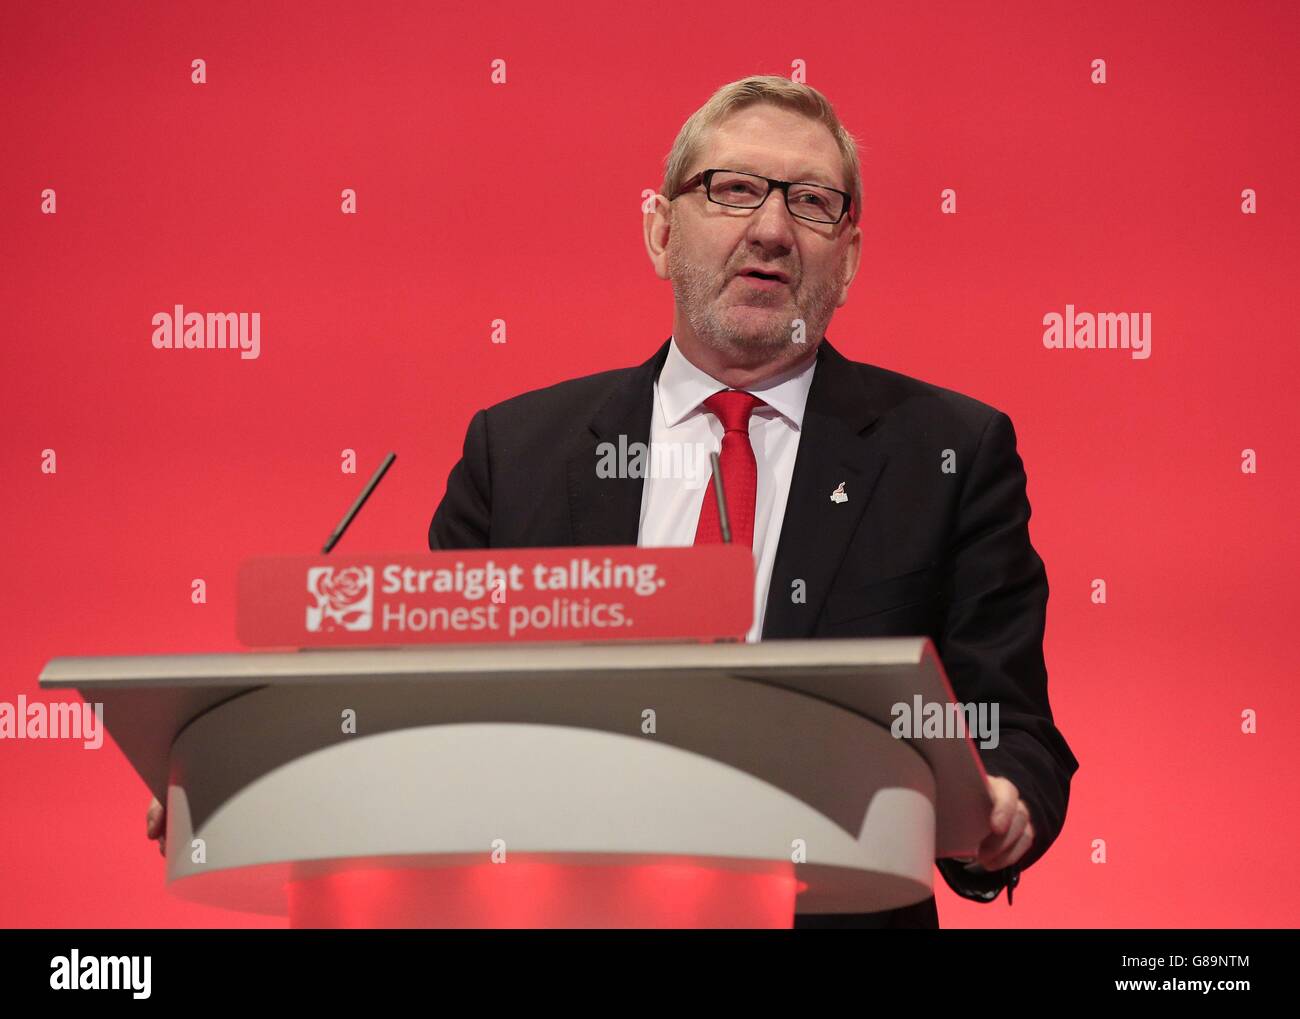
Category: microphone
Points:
column 724, row 521
column 361, row 501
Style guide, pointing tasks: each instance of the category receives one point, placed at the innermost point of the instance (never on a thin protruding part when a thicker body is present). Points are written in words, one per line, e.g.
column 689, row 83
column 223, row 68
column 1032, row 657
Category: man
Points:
column 898, row 506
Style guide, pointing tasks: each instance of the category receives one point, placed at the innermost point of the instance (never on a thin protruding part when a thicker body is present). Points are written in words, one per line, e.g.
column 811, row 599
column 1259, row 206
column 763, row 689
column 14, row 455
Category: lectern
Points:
column 547, row 784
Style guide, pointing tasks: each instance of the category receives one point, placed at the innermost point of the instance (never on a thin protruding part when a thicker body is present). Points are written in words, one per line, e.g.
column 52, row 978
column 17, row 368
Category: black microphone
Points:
column 361, row 501
column 724, row 521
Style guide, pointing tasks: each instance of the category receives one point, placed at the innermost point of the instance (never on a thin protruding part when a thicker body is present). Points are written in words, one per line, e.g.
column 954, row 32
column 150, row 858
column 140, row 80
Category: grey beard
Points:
column 697, row 294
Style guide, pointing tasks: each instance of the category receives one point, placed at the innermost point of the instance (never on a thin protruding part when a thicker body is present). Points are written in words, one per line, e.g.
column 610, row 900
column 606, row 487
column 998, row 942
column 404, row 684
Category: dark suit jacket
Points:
column 917, row 549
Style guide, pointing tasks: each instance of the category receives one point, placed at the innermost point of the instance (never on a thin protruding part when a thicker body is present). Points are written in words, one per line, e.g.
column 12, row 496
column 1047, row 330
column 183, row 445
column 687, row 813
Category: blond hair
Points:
column 762, row 88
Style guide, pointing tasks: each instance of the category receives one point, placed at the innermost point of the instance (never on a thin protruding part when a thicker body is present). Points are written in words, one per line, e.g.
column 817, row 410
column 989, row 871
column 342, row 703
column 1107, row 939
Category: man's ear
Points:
column 852, row 260
column 656, row 225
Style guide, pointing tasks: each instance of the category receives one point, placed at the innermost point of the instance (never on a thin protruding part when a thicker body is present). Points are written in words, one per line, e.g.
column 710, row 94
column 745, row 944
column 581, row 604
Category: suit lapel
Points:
column 816, row 531
column 607, row 511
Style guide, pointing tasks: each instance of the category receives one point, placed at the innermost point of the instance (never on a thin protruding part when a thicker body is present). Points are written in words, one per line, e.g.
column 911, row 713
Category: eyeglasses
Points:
column 741, row 190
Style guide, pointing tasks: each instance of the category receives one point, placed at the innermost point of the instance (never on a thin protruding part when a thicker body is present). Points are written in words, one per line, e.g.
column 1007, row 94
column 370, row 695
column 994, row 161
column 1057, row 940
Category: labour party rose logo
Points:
column 345, row 599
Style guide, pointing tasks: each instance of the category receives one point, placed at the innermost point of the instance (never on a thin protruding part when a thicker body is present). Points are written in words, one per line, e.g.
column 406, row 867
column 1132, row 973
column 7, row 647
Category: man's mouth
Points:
column 764, row 280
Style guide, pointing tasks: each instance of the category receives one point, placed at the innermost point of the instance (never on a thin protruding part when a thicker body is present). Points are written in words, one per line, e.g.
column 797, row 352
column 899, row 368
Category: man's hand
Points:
column 156, row 824
column 1013, row 832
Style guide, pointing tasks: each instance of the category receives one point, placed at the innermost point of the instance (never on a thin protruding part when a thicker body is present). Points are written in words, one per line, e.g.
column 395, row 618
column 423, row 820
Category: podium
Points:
column 548, row 784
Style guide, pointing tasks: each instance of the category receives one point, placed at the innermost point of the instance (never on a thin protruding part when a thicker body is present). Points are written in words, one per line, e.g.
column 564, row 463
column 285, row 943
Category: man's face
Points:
column 744, row 322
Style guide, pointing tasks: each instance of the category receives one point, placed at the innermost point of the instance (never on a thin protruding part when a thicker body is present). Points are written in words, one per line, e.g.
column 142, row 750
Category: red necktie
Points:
column 739, row 471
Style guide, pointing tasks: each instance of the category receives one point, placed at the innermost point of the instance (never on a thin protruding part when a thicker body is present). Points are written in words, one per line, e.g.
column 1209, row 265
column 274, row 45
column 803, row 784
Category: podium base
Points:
column 539, row 894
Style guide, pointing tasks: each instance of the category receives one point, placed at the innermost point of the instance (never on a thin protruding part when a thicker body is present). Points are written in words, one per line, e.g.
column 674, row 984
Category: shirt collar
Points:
column 683, row 387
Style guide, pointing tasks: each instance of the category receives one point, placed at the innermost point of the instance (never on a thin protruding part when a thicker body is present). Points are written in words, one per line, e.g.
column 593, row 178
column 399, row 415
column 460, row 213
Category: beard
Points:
column 747, row 325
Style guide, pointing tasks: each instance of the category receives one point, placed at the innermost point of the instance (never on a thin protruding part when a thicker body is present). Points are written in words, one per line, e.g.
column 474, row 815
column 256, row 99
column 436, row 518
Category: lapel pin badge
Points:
column 838, row 495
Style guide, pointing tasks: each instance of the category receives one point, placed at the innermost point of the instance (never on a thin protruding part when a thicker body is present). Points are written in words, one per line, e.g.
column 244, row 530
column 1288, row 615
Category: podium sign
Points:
column 584, row 593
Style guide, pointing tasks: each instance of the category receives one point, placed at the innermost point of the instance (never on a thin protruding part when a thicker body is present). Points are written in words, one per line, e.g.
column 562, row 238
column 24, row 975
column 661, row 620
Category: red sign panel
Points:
column 592, row 593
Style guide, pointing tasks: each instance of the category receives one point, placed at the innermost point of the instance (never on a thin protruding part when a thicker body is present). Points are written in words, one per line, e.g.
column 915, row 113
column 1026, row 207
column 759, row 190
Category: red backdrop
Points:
column 522, row 202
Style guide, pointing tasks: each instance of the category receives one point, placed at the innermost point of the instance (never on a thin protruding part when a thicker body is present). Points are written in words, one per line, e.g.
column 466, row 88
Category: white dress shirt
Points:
column 675, row 485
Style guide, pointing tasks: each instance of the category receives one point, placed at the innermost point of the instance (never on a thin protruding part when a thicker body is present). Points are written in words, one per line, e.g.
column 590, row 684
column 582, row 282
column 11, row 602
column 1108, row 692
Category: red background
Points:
column 522, row 202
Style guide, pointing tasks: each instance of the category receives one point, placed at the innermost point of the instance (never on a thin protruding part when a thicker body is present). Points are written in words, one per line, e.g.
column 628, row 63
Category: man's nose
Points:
column 772, row 220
